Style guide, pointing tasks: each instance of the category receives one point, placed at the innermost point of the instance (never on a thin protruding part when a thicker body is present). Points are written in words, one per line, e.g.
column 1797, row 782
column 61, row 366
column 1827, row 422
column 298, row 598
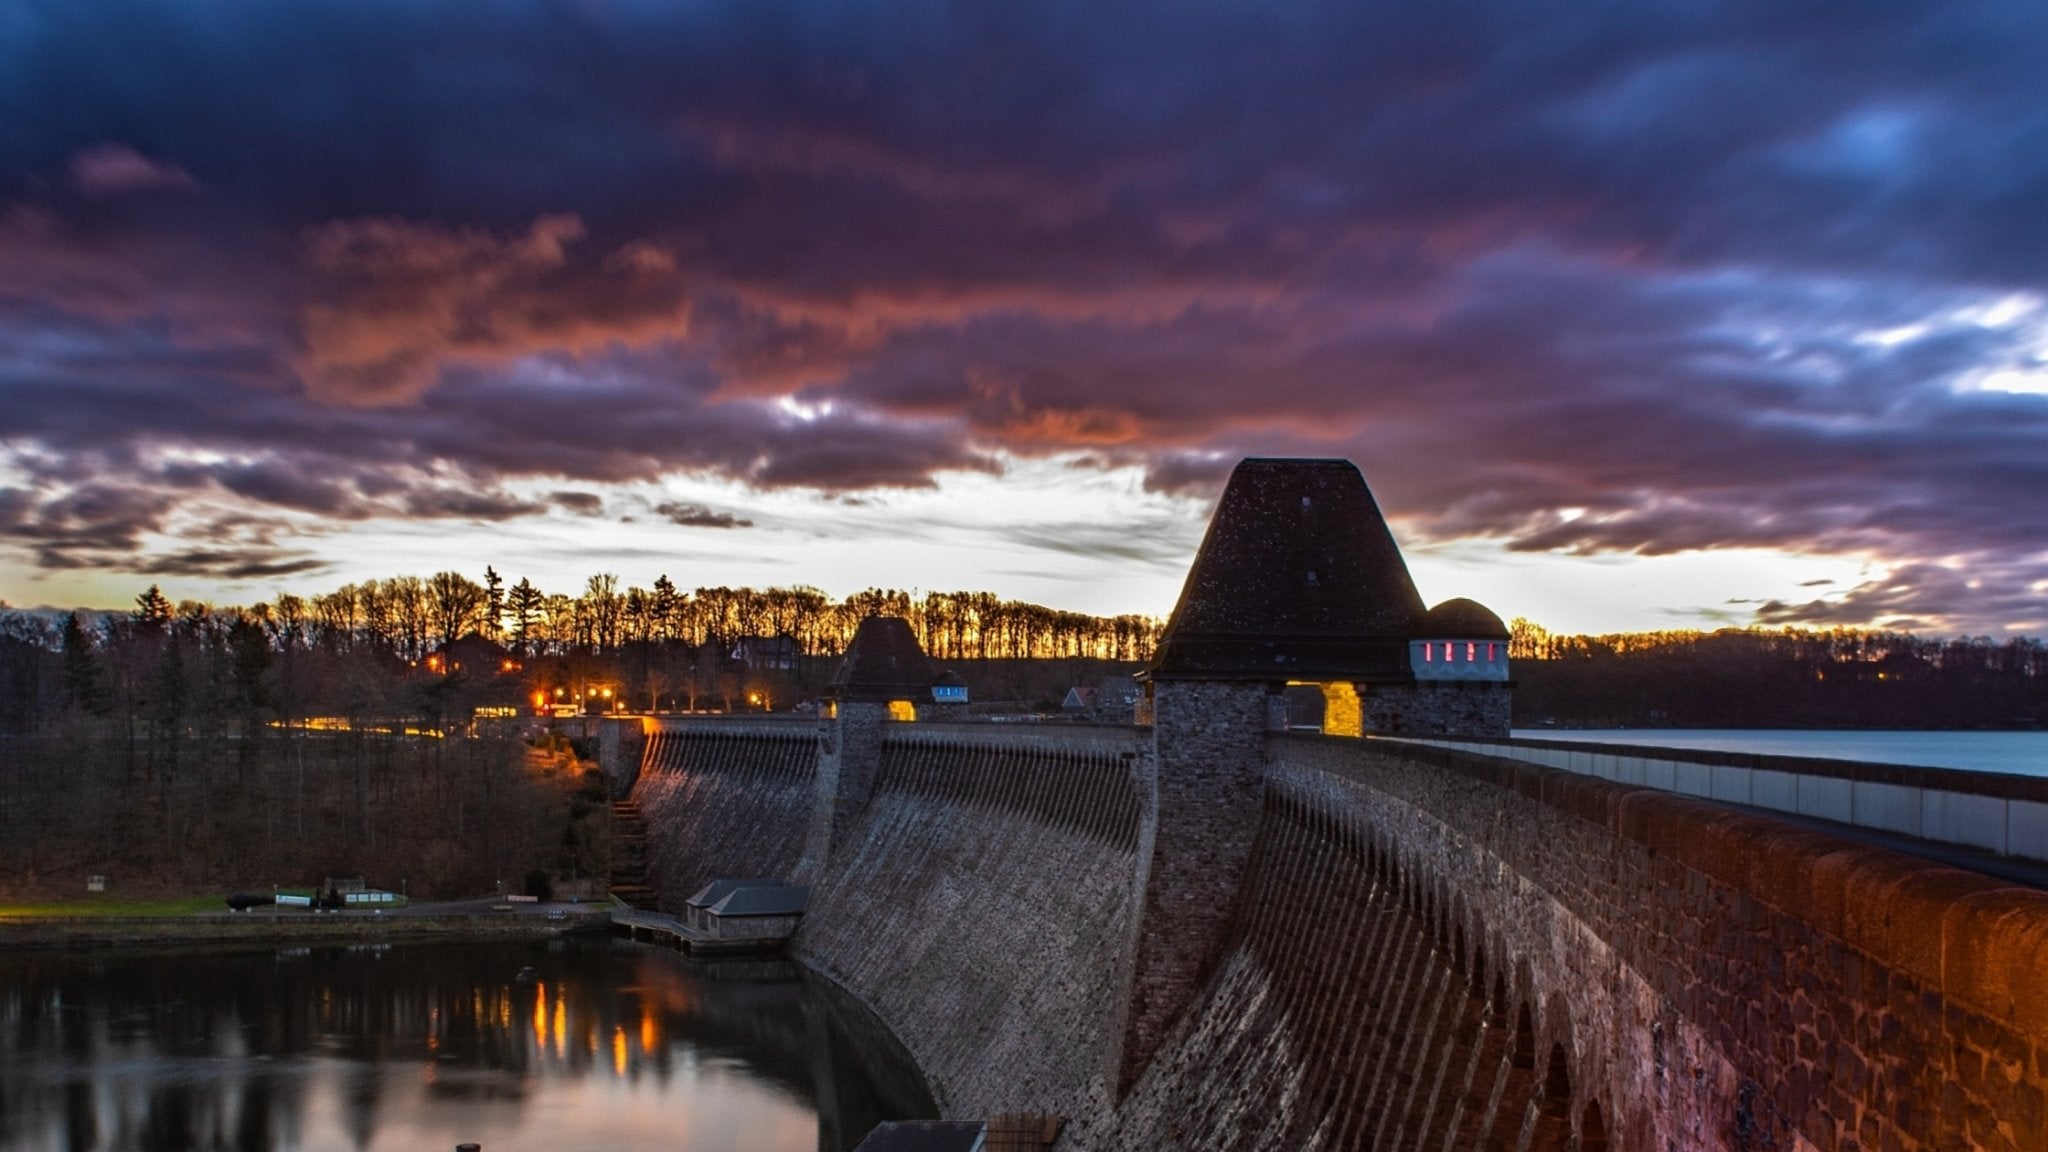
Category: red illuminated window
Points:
column 1492, row 653
column 1428, row 653
column 1471, row 652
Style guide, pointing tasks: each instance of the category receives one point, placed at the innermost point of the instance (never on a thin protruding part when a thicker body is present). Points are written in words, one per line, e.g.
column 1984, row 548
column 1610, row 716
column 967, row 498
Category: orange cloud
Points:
column 399, row 301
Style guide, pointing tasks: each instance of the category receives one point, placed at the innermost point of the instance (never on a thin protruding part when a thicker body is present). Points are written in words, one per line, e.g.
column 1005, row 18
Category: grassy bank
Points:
column 73, row 929
column 113, row 906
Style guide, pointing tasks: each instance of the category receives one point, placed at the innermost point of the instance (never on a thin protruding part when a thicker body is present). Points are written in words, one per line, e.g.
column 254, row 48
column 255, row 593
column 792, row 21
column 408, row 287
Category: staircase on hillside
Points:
column 629, row 856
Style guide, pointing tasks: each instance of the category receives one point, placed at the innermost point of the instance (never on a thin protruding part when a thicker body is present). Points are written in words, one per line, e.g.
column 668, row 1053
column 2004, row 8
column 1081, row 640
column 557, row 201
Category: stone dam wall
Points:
column 985, row 909
column 1427, row 949
column 730, row 798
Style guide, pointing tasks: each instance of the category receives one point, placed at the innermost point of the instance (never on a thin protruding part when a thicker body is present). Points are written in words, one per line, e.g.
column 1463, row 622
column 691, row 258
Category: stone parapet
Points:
column 1114, row 739
column 1985, row 811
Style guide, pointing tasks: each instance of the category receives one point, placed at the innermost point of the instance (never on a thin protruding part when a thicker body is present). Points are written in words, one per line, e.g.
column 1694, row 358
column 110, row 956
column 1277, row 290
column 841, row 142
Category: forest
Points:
column 386, row 728
column 382, row 729
column 1784, row 678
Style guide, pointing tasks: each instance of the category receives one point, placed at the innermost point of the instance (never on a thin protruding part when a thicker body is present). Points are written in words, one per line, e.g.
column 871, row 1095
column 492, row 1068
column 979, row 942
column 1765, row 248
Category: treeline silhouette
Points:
column 359, row 651
column 1785, row 678
column 375, row 729
column 407, row 616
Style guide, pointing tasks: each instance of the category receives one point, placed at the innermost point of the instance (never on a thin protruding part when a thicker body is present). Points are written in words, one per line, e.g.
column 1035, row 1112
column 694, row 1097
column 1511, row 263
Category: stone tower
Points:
column 885, row 671
column 1298, row 581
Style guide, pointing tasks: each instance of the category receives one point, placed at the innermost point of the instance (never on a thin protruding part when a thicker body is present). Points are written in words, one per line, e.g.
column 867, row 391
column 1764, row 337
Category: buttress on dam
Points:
column 1205, row 931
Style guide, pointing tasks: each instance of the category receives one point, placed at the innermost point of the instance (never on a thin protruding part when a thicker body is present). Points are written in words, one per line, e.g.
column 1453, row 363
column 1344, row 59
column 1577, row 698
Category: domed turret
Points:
column 1459, row 640
column 949, row 688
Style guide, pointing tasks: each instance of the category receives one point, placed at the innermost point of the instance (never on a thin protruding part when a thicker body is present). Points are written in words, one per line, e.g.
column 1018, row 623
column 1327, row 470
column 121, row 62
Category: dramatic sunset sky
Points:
column 1636, row 315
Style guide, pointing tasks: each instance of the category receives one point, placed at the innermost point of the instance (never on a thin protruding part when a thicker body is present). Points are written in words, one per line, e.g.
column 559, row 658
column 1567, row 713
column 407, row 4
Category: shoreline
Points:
column 65, row 932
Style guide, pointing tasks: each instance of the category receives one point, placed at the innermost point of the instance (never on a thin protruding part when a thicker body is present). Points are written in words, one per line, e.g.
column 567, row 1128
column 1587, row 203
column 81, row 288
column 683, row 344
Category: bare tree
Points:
column 455, row 606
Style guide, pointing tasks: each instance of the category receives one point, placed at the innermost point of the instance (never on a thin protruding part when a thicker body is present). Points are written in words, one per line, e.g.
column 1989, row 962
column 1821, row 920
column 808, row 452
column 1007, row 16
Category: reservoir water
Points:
column 603, row 1047
column 2015, row 753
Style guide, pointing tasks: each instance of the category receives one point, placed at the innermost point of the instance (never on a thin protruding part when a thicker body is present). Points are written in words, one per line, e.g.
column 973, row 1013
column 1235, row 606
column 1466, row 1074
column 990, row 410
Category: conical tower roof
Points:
column 1298, row 578
column 884, row 662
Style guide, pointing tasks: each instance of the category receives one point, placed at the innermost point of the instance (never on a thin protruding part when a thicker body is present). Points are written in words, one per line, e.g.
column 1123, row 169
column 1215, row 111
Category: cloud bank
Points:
column 1589, row 279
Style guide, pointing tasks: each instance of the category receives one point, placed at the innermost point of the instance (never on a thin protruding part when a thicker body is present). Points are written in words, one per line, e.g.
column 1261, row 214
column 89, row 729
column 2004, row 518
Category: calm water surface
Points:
column 614, row 1047
column 2016, row 753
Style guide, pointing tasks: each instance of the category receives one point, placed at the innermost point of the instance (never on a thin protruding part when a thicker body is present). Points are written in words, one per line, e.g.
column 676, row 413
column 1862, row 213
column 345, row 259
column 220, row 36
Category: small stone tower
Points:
column 884, row 673
column 1459, row 658
column 1298, row 581
column 1460, row 640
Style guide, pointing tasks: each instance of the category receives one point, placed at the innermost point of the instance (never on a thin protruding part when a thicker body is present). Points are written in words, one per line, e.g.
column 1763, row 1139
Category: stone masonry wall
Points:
column 1729, row 981
column 1354, row 1010
column 849, row 755
column 621, row 748
column 1424, row 948
column 724, row 800
column 1208, row 740
column 1441, row 708
column 981, row 905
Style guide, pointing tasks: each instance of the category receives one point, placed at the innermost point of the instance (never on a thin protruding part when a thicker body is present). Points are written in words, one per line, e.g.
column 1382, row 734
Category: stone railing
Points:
column 1990, row 811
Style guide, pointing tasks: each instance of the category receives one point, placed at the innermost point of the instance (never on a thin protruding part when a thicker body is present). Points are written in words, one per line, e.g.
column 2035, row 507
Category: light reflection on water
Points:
column 609, row 1046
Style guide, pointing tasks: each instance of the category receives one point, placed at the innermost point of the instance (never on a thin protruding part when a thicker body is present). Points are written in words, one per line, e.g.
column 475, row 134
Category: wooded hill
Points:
column 1790, row 678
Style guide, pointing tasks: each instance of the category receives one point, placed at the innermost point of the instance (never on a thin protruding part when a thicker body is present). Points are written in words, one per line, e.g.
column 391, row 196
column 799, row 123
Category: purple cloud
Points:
column 116, row 169
column 1559, row 277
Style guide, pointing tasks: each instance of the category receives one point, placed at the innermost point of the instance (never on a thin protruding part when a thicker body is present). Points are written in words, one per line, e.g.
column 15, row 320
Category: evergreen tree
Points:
column 249, row 662
column 82, row 686
column 494, row 603
column 153, row 611
column 525, row 603
column 167, row 710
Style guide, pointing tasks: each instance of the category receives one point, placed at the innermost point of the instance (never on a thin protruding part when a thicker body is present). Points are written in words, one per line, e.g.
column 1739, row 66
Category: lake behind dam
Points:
column 2013, row 753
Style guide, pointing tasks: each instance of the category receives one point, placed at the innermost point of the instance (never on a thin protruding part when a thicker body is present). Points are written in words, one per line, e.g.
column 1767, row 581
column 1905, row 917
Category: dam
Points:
column 1206, row 931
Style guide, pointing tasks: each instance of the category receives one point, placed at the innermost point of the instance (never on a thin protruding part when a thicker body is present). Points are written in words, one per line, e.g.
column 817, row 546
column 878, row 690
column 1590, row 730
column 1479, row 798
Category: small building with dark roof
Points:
column 1113, row 700
column 1116, row 699
column 770, row 653
column 747, row 910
